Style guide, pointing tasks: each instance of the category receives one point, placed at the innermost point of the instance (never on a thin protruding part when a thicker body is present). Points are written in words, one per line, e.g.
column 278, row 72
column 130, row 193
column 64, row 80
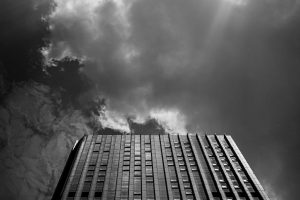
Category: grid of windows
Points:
column 160, row 167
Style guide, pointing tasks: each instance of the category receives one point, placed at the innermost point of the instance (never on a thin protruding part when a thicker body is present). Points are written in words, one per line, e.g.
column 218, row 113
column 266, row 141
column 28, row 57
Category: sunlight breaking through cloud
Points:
column 114, row 120
column 171, row 120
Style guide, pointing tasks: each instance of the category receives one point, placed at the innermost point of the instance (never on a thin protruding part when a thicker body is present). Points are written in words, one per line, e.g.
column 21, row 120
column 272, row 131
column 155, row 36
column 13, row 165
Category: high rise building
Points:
column 158, row 167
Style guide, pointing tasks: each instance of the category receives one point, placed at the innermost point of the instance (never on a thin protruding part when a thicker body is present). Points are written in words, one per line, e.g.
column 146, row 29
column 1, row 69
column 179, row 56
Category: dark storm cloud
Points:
column 24, row 36
column 40, row 115
column 24, row 31
column 228, row 68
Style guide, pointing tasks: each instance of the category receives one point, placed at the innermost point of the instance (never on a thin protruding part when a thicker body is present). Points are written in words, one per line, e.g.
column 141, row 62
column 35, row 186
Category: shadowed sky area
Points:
column 213, row 66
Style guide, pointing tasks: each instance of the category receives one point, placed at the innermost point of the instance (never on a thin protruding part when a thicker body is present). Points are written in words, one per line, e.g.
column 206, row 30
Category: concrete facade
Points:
column 158, row 167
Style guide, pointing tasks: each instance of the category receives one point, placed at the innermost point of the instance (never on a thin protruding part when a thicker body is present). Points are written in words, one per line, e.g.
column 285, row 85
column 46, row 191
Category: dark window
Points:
column 71, row 194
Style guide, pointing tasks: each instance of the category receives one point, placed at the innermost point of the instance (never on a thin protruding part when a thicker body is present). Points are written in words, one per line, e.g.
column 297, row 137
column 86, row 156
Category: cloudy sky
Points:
column 210, row 66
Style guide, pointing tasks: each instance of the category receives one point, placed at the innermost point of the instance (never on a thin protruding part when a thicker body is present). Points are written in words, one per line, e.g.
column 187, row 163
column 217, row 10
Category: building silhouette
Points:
column 157, row 167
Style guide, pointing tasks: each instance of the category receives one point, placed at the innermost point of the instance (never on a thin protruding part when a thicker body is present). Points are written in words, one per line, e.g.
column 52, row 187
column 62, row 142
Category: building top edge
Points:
column 201, row 134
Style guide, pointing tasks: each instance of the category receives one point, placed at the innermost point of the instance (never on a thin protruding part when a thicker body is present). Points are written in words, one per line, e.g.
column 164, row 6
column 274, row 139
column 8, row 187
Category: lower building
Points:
column 157, row 167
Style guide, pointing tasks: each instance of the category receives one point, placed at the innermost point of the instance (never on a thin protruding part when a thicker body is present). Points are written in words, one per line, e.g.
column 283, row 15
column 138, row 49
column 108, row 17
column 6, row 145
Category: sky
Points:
column 209, row 66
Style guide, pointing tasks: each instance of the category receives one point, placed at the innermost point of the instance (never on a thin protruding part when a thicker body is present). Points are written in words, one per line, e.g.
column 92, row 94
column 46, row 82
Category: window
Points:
column 209, row 152
column 222, row 159
column 148, row 156
column 181, row 163
column 101, row 173
column 245, row 180
column 137, row 158
column 184, row 174
column 126, row 163
column 137, row 162
column 98, row 194
column 218, row 150
column 127, row 153
column 233, row 159
column 84, row 194
column 71, row 194
column 127, row 149
column 173, row 180
column 89, row 178
column 230, row 152
column 149, row 179
column 193, row 168
column 90, row 173
column 185, row 179
column 188, row 191
column 192, row 163
column 137, row 173
column 148, row 163
column 221, row 154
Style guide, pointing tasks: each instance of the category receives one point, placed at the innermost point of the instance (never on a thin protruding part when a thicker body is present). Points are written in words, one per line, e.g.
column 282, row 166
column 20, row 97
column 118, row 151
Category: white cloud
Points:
column 171, row 120
column 114, row 120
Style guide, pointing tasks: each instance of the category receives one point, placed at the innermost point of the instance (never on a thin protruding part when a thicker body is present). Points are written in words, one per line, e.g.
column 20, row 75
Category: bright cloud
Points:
column 172, row 120
column 114, row 120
